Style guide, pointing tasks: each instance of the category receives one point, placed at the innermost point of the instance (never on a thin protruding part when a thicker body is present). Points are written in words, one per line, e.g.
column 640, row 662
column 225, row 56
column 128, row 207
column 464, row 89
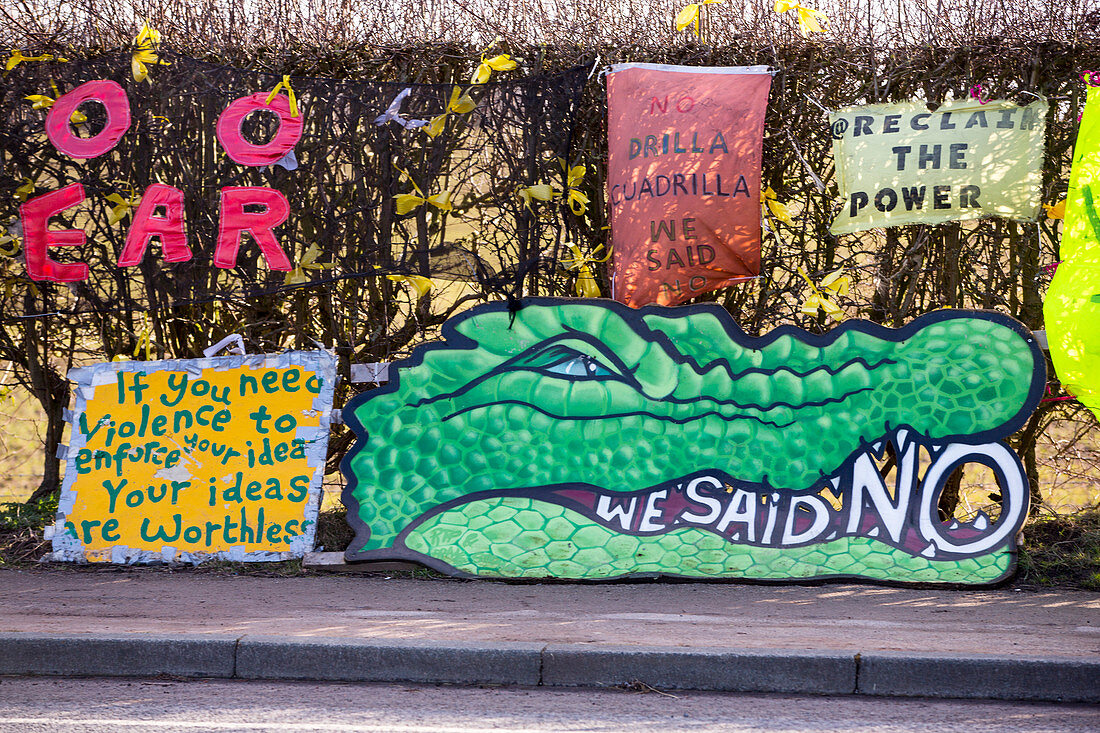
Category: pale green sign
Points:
column 901, row 164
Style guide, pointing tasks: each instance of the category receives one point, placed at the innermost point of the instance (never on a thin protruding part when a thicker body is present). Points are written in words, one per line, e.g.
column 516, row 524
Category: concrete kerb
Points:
column 907, row 674
column 362, row 660
column 727, row 670
column 96, row 655
column 559, row 665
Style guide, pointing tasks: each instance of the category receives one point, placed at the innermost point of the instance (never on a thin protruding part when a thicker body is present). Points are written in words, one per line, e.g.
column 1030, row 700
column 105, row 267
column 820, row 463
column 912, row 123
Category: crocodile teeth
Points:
column 835, row 481
column 873, row 532
column 929, row 551
column 900, row 439
column 981, row 522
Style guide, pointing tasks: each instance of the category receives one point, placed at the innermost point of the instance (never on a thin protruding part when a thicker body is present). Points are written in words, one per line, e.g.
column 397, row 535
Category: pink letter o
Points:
column 114, row 100
column 244, row 152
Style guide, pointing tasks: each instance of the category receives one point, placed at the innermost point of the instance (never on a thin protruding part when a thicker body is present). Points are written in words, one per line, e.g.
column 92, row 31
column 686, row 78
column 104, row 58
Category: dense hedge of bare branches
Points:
column 285, row 27
column 872, row 52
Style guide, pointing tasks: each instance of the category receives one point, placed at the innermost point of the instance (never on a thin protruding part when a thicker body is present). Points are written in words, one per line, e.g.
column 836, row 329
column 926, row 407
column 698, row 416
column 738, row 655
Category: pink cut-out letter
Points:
column 114, row 99
column 235, row 221
column 147, row 224
column 228, row 130
column 37, row 236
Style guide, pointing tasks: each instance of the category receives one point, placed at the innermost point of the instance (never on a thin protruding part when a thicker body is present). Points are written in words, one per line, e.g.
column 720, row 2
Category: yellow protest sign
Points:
column 901, row 164
column 1071, row 310
column 190, row 460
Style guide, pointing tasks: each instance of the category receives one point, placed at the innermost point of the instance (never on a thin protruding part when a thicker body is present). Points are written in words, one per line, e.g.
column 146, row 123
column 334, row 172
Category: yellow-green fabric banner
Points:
column 901, row 164
column 1072, row 306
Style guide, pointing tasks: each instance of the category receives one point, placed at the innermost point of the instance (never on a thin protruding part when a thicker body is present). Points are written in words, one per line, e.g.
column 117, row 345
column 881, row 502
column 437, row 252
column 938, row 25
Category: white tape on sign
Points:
column 377, row 372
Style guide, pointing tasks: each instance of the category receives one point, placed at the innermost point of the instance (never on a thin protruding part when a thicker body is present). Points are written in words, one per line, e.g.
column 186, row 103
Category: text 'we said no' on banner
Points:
column 684, row 159
column 189, row 460
column 901, row 164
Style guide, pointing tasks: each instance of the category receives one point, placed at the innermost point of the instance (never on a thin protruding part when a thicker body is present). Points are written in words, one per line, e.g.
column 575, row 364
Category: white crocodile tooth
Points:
column 900, row 439
column 832, row 535
column 775, row 498
column 929, row 551
column 981, row 522
column 735, row 537
column 835, row 481
column 873, row 532
column 953, row 525
column 877, row 447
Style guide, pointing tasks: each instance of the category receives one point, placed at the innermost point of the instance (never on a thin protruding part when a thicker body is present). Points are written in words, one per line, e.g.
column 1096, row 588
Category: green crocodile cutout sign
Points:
column 583, row 439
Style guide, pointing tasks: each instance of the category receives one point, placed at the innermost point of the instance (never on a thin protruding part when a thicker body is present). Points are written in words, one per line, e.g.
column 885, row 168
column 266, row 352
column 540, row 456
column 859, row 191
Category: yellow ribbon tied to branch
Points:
column 406, row 202
column 807, row 17
column 691, row 13
column 586, row 285
column 25, row 190
column 17, row 58
column 39, row 101
column 285, row 84
column 42, row 101
column 122, row 207
column 11, row 242
column 144, row 341
column 460, row 103
column 537, row 192
column 574, row 177
column 500, row 62
column 145, row 53
column 420, row 284
column 1056, row 211
column 835, row 283
column 298, row 275
column 772, row 205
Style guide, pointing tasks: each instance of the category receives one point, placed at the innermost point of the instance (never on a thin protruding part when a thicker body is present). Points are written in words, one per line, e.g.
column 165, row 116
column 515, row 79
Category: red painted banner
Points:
column 684, row 156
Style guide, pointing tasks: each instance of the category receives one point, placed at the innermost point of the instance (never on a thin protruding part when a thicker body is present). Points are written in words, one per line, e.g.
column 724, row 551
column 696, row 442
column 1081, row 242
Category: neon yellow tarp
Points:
column 1072, row 306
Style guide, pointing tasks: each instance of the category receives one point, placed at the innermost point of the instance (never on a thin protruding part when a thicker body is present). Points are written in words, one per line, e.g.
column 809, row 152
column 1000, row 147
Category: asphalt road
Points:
column 30, row 705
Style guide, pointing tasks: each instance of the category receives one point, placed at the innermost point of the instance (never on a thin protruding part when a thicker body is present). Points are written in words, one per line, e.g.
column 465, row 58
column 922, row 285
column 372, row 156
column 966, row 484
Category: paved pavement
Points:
column 824, row 639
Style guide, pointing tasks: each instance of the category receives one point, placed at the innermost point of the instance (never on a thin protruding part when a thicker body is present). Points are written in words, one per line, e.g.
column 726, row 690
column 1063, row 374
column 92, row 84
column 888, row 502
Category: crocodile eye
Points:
column 559, row 360
column 579, row 366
